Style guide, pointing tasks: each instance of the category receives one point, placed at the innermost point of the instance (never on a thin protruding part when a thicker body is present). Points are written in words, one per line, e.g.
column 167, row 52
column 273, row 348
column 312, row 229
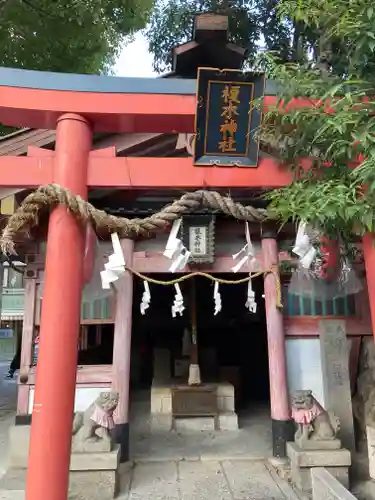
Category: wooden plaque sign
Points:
column 226, row 119
column 193, row 401
column 198, row 235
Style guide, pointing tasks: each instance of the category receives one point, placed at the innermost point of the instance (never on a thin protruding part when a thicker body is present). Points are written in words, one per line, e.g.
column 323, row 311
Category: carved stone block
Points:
column 90, row 445
column 310, row 444
column 336, row 461
column 326, row 486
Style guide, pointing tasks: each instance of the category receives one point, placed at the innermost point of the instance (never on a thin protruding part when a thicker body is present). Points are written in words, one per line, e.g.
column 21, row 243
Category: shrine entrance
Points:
column 233, row 359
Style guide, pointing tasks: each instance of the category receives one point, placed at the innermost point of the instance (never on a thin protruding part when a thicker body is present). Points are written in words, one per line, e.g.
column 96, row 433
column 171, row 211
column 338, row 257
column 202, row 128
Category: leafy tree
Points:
column 335, row 125
column 254, row 24
column 72, row 36
column 250, row 22
column 78, row 36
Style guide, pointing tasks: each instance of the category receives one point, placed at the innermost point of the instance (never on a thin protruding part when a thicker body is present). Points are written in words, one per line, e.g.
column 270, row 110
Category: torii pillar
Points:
column 51, row 428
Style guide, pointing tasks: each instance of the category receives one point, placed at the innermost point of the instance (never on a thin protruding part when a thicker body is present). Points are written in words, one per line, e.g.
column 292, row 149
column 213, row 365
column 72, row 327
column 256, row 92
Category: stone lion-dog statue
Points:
column 96, row 423
column 313, row 421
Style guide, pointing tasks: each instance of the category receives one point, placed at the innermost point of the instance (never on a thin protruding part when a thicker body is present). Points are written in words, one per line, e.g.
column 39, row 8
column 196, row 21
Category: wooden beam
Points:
column 308, row 326
column 123, row 112
column 36, row 99
column 180, row 173
column 141, row 173
column 25, row 172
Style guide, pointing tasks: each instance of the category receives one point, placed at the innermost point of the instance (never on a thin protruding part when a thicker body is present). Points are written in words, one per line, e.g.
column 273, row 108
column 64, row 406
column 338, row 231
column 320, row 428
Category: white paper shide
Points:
column 303, row 247
column 115, row 267
column 146, row 297
column 178, row 304
column 175, row 249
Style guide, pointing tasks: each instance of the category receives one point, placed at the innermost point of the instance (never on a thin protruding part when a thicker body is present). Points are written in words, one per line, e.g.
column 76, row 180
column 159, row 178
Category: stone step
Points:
column 12, row 484
column 91, row 485
column 12, row 495
column 194, row 424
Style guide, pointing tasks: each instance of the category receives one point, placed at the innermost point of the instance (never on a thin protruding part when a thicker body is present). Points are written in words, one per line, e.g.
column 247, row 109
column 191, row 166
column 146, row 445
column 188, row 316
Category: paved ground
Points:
column 8, row 403
column 204, row 480
column 203, row 476
column 252, row 441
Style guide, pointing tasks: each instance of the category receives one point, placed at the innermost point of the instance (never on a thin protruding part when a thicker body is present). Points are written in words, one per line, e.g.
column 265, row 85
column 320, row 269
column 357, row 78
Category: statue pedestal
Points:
column 94, row 475
column 93, row 469
column 336, row 461
column 93, row 445
column 312, row 444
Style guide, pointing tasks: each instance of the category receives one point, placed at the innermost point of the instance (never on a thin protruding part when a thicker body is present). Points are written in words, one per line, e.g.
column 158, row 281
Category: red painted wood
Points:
column 91, row 242
column 369, row 256
column 275, row 337
column 23, row 399
column 28, row 323
column 27, row 339
column 145, row 173
column 156, row 173
column 24, row 107
column 308, row 326
column 25, row 172
column 159, row 113
column 122, row 337
column 86, row 374
column 51, row 429
column 157, row 263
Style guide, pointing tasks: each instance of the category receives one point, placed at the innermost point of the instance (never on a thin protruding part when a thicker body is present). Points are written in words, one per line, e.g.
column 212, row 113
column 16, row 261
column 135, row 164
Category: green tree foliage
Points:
column 336, row 126
column 77, row 36
column 254, row 24
column 71, row 36
column 250, row 23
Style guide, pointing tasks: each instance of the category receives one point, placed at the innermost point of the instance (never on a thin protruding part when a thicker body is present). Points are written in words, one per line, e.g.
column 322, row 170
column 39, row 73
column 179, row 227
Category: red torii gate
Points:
column 76, row 106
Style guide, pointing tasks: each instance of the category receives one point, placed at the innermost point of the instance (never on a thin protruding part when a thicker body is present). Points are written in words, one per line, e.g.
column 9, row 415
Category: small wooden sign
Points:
column 199, row 401
column 226, row 119
column 198, row 235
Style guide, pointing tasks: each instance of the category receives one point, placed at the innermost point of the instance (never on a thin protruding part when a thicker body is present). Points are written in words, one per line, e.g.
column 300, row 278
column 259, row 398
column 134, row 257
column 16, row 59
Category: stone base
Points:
column 93, row 485
column 161, row 423
column 228, row 421
column 337, row 463
column 165, row 423
column 83, row 485
column 194, row 424
column 93, row 475
column 301, row 477
column 90, row 446
column 161, row 410
column 324, row 485
column 309, row 444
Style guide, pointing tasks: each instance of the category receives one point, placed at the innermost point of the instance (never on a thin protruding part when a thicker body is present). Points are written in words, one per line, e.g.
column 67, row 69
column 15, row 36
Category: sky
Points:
column 135, row 60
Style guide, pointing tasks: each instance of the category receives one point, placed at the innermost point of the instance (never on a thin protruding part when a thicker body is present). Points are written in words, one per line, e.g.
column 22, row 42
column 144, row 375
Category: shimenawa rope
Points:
column 48, row 197
column 45, row 198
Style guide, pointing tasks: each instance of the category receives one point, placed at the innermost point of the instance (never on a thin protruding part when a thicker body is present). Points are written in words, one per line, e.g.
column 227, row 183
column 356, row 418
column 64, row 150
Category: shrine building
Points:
column 132, row 146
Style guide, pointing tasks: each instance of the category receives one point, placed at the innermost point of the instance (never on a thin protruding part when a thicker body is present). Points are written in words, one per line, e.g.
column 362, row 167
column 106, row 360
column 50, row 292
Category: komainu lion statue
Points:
column 96, row 422
column 313, row 421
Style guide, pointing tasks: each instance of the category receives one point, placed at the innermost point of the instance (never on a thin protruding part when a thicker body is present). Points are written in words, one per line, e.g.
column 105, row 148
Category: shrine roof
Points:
column 44, row 80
